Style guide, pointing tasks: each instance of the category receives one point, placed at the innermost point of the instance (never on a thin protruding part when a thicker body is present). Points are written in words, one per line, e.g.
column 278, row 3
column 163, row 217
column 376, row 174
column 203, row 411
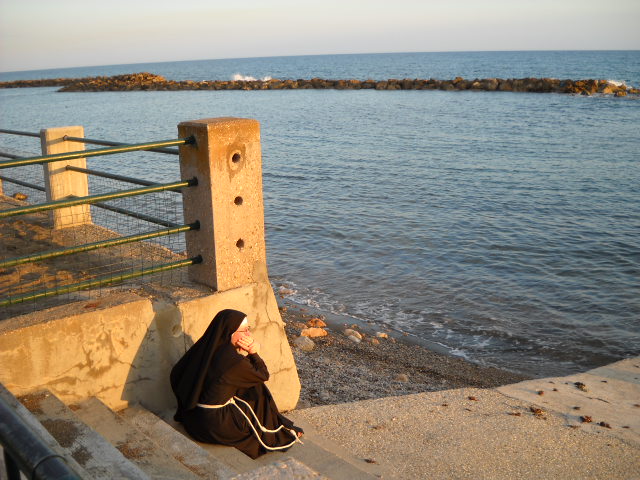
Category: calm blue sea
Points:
column 503, row 226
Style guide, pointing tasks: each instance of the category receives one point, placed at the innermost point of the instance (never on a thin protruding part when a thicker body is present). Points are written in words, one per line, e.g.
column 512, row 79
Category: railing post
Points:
column 61, row 183
column 226, row 160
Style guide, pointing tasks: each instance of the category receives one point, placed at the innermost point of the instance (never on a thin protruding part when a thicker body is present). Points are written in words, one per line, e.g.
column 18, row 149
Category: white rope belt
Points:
column 232, row 401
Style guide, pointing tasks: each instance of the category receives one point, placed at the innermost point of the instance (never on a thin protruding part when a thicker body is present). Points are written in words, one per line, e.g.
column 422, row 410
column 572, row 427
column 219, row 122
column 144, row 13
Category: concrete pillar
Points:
column 227, row 202
column 61, row 183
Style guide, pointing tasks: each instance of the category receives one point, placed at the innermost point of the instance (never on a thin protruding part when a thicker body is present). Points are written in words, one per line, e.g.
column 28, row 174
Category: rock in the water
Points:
column 285, row 291
column 313, row 332
column 381, row 335
column 304, row 343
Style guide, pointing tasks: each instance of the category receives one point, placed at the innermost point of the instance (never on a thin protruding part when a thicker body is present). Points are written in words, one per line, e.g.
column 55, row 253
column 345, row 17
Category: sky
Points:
column 42, row 34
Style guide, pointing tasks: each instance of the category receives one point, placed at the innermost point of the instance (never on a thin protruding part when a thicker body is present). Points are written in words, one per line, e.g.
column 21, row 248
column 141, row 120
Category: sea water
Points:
column 504, row 227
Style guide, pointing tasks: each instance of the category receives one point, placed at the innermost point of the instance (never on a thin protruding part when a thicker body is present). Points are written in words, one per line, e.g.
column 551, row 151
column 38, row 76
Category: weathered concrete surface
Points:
column 177, row 445
column 313, row 454
column 138, row 448
column 289, row 469
column 121, row 348
column 478, row 433
column 259, row 303
column 34, row 424
column 226, row 160
column 89, row 350
column 60, row 183
column 98, row 457
column 609, row 394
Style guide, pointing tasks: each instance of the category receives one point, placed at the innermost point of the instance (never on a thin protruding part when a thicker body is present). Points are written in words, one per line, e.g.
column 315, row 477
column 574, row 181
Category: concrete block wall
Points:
column 121, row 348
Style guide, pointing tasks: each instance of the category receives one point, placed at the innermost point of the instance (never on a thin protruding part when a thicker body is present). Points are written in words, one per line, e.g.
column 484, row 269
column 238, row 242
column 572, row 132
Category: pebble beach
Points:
column 346, row 362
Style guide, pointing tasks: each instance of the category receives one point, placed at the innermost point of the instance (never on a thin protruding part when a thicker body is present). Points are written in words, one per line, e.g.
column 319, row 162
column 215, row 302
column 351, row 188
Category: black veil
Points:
column 188, row 375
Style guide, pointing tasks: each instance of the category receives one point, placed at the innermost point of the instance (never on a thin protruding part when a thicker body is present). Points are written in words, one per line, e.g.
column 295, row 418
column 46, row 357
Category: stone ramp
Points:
column 97, row 456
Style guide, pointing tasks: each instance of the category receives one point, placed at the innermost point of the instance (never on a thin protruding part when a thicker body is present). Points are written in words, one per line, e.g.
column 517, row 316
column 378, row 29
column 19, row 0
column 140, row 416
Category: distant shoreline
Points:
column 152, row 82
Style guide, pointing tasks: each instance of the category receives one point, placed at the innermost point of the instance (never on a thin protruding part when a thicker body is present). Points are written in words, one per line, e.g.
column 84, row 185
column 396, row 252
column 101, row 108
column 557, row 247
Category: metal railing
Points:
column 43, row 207
column 111, row 143
column 20, row 162
column 148, row 187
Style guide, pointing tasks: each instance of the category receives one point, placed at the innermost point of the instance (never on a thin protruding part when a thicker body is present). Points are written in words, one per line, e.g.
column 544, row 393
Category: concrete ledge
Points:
column 609, row 395
column 491, row 433
column 121, row 348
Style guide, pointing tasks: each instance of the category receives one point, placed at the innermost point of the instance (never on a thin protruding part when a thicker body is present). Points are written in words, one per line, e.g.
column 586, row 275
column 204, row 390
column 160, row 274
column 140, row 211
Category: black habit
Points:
column 222, row 397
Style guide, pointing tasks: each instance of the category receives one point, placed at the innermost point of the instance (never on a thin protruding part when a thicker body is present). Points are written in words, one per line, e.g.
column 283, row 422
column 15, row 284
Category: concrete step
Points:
column 97, row 456
column 131, row 442
column 363, row 469
column 289, row 469
column 179, row 446
column 34, row 424
column 312, row 454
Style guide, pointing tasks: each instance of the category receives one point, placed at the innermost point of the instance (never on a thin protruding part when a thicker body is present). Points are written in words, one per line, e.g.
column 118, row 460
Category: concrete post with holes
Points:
column 226, row 160
column 61, row 183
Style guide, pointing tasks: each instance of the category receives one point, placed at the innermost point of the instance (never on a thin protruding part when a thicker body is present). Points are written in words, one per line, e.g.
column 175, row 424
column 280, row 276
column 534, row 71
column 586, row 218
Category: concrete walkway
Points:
column 504, row 433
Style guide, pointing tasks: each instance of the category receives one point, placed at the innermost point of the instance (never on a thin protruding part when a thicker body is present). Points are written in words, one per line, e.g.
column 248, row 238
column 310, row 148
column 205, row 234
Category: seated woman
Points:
column 222, row 398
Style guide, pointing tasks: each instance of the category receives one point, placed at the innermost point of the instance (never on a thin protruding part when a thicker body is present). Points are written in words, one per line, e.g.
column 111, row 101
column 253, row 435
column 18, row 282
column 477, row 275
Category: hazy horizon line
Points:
column 315, row 55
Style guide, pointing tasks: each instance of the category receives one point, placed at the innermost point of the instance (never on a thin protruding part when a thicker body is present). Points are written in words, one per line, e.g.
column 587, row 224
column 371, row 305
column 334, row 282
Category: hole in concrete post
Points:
column 237, row 200
column 240, row 244
column 236, row 158
column 176, row 330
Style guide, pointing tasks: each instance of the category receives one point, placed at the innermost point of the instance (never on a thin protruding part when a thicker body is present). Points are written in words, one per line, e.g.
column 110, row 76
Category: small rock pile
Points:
column 149, row 81
column 316, row 328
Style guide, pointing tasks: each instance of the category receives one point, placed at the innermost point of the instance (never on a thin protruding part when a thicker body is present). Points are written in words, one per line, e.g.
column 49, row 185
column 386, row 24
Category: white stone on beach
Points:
column 353, row 338
column 381, row 335
column 304, row 343
column 350, row 332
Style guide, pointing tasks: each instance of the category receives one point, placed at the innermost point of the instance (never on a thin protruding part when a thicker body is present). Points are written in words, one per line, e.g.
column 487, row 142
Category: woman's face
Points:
column 242, row 332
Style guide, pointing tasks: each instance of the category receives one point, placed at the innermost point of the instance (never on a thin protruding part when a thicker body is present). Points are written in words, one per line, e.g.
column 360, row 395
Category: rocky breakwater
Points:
column 149, row 81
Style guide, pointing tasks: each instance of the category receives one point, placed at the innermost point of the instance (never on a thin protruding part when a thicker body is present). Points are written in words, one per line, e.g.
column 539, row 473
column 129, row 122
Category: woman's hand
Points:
column 248, row 344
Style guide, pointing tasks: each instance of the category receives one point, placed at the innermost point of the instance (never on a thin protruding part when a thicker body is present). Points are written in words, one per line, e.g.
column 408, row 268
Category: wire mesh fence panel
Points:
column 19, row 183
column 32, row 234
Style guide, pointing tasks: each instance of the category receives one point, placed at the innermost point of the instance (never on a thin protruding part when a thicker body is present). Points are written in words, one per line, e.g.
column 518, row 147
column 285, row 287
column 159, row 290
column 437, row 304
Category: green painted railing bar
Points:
column 114, row 144
column 21, row 183
column 112, row 176
column 87, row 247
column 18, row 132
column 139, row 216
column 93, row 153
column 100, row 281
column 42, row 207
